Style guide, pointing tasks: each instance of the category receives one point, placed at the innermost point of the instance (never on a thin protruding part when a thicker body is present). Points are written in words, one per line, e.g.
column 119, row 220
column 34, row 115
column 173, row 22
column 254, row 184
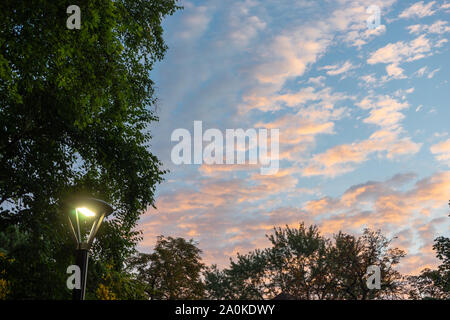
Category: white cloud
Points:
column 195, row 21
column 419, row 10
column 351, row 20
column 344, row 158
column 439, row 27
column 323, row 97
column 425, row 71
column 389, row 140
column 289, row 53
column 244, row 26
column 318, row 81
column 402, row 51
column 369, row 79
column 394, row 71
column 432, row 73
column 421, row 72
column 337, row 69
column 416, row 28
column 442, row 151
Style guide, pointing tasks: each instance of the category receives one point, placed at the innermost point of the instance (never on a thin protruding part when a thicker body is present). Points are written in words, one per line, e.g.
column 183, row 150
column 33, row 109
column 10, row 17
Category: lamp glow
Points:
column 86, row 212
column 94, row 211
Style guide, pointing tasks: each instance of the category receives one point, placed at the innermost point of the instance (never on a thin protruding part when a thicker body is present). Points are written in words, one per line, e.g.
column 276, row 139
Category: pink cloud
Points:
column 222, row 231
column 442, row 151
column 419, row 10
column 389, row 140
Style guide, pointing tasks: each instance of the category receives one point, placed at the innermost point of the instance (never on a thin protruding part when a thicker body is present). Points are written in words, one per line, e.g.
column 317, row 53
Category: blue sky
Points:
column 363, row 117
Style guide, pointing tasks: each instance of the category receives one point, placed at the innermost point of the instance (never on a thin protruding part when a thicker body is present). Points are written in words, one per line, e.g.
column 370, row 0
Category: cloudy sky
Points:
column 363, row 115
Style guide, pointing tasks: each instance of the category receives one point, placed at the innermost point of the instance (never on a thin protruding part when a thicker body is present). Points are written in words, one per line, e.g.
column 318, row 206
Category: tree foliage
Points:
column 75, row 110
column 433, row 284
column 303, row 264
column 172, row 271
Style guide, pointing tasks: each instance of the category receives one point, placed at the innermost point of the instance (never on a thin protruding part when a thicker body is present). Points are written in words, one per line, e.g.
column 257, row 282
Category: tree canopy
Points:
column 172, row 271
column 433, row 284
column 303, row 264
column 75, row 110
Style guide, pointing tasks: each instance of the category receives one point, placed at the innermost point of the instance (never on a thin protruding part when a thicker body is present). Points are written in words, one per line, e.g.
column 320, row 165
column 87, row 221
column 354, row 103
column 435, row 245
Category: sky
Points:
column 363, row 117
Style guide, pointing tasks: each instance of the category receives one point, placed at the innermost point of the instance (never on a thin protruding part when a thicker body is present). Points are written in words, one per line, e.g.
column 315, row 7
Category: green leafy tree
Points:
column 75, row 110
column 244, row 279
column 303, row 264
column 297, row 262
column 426, row 286
column 349, row 258
column 172, row 271
column 433, row 284
column 217, row 284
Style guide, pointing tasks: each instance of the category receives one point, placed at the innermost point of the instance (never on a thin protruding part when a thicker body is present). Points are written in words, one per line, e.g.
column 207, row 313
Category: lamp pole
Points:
column 81, row 260
column 87, row 210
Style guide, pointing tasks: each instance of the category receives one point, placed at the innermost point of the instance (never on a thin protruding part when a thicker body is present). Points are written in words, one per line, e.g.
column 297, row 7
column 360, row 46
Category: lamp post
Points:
column 85, row 214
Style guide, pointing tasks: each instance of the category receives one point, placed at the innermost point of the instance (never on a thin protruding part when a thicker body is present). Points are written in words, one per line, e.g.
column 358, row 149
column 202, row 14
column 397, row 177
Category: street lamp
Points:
column 85, row 217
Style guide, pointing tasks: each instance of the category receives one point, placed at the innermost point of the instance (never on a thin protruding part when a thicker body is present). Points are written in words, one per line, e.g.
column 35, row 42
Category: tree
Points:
column 172, row 271
column 245, row 279
column 349, row 259
column 303, row 264
column 297, row 262
column 433, row 284
column 119, row 285
column 442, row 248
column 217, row 284
column 75, row 110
